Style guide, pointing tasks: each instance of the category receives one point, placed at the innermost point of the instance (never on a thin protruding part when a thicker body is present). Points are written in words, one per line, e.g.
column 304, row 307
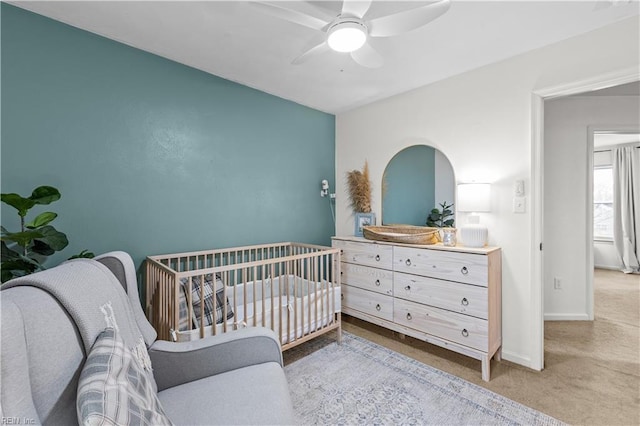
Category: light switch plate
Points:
column 518, row 188
column 519, row 205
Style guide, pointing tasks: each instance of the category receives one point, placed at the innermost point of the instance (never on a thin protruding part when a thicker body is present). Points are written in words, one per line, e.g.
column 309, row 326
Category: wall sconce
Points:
column 474, row 198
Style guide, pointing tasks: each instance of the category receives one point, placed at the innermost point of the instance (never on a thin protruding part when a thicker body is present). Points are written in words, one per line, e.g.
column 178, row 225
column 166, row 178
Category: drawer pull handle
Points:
column 464, row 302
column 377, row 258
column 408, row 262
column 377, row 283
column 464, row 270
column 409, row 317
column 465, row 333
column 408, row 288
column 341, row 296
column 378, row 307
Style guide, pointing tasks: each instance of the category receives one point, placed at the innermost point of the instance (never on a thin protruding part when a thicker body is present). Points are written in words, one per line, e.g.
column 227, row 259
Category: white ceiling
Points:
column 237, row 41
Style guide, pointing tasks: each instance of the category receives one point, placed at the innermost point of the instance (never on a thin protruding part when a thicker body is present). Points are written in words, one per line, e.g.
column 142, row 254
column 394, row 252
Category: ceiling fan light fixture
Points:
column 347, row 36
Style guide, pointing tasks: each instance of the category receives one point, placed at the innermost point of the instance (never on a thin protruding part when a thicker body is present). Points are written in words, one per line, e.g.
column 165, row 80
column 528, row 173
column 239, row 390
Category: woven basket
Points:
column 401, row 234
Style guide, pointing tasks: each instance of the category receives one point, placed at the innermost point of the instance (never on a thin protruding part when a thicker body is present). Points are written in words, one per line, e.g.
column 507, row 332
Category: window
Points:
column 603, row 203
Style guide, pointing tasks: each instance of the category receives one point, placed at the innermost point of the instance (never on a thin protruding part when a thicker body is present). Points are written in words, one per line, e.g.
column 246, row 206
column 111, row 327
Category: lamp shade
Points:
column 474, row 197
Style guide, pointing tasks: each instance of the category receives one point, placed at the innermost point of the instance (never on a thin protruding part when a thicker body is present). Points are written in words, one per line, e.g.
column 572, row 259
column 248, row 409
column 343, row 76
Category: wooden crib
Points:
column 291, row 288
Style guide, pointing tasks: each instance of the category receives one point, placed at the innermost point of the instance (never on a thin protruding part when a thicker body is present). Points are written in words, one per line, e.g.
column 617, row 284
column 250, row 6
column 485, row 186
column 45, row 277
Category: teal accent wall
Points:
column 410, row 186
column 152, row 156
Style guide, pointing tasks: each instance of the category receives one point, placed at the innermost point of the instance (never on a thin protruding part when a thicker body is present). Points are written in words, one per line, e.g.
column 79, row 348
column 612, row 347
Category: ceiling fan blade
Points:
column 367, row 56
column 290, row 15
column 355, row 8
column 314, row 51
column 407, row 20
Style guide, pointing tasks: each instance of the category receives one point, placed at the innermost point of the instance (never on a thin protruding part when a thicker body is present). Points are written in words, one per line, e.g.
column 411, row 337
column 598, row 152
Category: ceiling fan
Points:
column 350, row 30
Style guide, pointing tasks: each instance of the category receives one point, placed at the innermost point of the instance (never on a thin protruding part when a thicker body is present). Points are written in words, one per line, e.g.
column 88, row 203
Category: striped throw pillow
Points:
column 116, row 387
column 208, row 308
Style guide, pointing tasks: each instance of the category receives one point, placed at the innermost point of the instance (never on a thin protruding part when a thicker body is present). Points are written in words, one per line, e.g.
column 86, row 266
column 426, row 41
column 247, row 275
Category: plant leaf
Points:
column 18, row 268
column 84, row 254
column 53, row 238
column 8, row 254
column 41, row 220
column 36, row 264
column 21, row 238
column 19, row 203
column 5, row 275
column 45, row 195
column 42, row 248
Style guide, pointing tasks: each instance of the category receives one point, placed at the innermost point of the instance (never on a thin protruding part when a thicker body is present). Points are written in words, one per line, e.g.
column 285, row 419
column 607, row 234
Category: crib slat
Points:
column 272, row 298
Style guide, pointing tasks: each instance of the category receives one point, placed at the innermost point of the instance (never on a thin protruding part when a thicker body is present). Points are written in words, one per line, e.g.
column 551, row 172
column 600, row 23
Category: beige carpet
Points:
column 592, row 369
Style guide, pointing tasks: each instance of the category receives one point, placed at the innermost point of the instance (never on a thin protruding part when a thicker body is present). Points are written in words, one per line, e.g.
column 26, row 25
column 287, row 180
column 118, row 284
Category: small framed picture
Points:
column 364, row 219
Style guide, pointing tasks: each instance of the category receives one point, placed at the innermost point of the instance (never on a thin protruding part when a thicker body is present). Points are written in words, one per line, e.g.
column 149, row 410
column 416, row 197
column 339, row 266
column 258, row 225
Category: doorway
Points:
column 580, row 252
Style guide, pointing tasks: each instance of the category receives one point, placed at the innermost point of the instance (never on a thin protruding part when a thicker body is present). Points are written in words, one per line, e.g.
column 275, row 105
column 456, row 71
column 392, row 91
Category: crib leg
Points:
column 339, row 329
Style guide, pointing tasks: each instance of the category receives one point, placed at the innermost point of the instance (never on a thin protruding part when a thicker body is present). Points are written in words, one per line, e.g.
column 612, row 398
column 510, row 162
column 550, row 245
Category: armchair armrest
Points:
column 183, row 362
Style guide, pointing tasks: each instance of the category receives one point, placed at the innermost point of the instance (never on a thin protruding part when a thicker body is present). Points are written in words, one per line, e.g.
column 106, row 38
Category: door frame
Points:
column 603, row 81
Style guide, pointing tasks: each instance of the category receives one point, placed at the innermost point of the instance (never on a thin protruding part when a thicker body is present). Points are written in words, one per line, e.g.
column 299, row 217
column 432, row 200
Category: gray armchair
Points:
column 233, row 378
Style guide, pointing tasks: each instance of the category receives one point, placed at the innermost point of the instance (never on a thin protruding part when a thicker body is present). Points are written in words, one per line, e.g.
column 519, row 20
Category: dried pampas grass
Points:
column 359, row 187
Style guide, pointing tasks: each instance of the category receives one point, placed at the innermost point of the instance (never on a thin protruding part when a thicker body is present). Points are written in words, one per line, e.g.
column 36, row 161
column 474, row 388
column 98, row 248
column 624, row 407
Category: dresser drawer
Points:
column 464, row 298
column 453, row 266
column 462, row 329
column 369, row 254
column 368, row 278
column 376, row 304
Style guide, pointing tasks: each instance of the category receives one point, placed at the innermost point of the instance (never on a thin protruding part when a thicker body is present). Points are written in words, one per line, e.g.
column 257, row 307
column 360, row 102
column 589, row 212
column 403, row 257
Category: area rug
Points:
column 359, row 382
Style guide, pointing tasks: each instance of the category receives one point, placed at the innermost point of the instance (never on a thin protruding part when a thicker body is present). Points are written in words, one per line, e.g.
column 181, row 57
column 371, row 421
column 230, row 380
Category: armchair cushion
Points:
column 178, row 363
column 115, row 386
column 256, row 395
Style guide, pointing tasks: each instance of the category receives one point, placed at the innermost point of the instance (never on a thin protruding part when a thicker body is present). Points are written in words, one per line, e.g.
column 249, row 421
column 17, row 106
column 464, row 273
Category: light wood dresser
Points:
column 447, row 296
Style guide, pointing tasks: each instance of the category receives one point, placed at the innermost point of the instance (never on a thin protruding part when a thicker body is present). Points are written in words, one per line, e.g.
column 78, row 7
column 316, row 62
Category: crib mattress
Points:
column 291, row 317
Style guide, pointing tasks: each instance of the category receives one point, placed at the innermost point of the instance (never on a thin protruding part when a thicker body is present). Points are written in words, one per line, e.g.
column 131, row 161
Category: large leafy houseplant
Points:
column 24, row 251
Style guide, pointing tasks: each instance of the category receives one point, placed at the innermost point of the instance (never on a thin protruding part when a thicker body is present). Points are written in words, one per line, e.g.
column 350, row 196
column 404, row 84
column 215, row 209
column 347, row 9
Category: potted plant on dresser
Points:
column 443, row 219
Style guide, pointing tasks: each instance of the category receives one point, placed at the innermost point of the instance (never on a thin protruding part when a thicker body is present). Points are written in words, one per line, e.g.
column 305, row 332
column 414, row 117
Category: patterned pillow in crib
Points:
column 208, row 300
column 115, row 386
column 183, row 319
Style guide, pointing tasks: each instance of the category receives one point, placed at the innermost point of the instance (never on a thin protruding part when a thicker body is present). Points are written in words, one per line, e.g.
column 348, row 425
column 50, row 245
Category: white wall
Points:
column 565, row 204
column 481, row 120
column 605, row 256
column 445, row 180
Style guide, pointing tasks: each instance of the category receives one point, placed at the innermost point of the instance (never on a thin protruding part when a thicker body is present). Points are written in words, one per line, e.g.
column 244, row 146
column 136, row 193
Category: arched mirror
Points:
column 416, row 180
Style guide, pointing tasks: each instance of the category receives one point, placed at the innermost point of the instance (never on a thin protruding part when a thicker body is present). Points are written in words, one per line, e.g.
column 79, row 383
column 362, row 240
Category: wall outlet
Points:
column 557, row 283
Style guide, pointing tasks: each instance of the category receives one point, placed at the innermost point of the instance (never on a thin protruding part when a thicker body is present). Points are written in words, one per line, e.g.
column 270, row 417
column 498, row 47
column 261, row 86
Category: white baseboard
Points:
column 517, row 359
column 609, row 267
column 566, row 317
